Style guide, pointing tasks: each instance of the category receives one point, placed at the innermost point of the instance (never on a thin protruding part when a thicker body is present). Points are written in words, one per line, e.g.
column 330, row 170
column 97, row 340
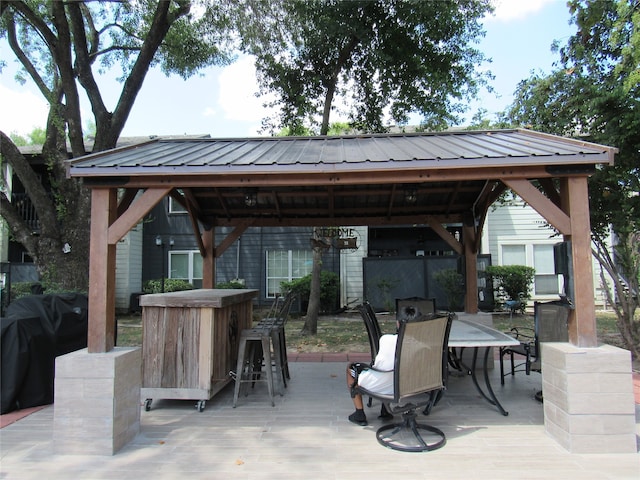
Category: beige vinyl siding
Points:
column 519, row 224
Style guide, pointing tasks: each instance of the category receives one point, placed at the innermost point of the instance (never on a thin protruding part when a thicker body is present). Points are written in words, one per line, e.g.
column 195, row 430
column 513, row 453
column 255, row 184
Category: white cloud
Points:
column 21, row 111
column 237, row 92
column 209, row 112
column 507, row 10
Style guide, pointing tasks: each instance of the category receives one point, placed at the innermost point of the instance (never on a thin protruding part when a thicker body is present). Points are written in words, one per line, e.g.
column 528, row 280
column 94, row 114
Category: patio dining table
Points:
column 466, row 334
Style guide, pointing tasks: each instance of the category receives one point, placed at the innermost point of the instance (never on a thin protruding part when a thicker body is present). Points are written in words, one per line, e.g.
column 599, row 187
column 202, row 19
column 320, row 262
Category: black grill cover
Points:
column 37, row 329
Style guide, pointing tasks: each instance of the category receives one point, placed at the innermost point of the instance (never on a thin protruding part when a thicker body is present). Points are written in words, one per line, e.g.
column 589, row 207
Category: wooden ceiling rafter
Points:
column 338, row 222
column 331, row 201
column 453, row 194
column 301, row 192
column 392, row 195
column 223, row 202
column 345, row 214
column 276, row 203
column 191, row 201
column 195, row 217
column 488, row 195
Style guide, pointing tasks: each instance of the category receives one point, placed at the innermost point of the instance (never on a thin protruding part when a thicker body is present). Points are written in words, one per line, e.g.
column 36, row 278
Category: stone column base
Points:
column 588, row 398
column 97, row 401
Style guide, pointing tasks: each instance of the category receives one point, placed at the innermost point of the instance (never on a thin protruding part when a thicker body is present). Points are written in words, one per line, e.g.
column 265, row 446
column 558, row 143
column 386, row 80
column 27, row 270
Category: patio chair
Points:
column 424, row 305
column 550, row 325
column 373, row 327
column 373, row 331
column 420, row 369
column 275, row 322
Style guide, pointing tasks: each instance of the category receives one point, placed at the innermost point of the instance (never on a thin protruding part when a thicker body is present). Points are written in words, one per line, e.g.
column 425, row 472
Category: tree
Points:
column 36, row 137
column 382, row 58
column 593, row 95
column 63, row 47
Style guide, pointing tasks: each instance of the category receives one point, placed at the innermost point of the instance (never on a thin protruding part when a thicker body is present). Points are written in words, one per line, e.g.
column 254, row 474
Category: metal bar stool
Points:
column 256, row 345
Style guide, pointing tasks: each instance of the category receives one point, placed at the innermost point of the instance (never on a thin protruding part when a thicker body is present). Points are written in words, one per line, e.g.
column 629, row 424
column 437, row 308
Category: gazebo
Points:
column 453, row 177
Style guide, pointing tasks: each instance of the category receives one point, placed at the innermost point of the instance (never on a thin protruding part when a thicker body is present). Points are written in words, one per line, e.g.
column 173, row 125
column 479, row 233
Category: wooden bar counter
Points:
column 190, row 342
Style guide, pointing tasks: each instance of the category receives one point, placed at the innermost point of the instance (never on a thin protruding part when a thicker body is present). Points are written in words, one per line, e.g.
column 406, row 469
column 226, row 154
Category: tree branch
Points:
column 83, row 64
column 64, row 62
column 24, row 60
column 162, row 21
column 31, row 183
column 331, row 83
column 22, row 233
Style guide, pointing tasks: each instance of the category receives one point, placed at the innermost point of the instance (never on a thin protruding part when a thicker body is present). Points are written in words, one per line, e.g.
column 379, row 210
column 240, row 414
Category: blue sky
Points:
column 221, row 101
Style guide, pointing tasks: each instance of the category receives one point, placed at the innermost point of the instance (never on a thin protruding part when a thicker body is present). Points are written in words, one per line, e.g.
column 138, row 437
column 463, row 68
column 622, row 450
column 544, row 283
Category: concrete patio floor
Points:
column 307, row 435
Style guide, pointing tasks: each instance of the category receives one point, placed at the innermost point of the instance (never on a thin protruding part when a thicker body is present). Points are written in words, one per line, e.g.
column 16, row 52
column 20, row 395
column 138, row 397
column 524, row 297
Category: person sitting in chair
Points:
column 379, row 376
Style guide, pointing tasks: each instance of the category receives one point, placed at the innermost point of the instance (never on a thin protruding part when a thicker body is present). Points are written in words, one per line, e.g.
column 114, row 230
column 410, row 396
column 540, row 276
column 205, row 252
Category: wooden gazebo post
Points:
column 102, row 272
column 586, row 387
column 102, row 382
column 582, row 320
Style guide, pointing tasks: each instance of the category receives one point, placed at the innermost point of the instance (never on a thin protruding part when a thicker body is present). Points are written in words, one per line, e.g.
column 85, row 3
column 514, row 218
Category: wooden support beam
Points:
column 136, row 212
column 102, row 272
column 443, row 233
column 193, row 209
column 126, row 200
column 232, row 237
column 582, row 321
column 545, row 207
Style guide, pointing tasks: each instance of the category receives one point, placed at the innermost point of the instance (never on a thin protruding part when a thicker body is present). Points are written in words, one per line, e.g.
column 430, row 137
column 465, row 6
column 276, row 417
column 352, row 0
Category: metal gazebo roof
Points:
column 432, row 179
column 346, row 180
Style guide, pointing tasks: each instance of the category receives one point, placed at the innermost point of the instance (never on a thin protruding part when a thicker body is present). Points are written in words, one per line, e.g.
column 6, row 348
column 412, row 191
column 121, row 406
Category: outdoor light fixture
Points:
column 411, row 195
column 251, row 198
column 160, row 243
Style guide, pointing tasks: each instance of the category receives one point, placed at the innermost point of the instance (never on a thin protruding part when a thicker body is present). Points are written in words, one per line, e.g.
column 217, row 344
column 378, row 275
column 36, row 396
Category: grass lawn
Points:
column 346, row 333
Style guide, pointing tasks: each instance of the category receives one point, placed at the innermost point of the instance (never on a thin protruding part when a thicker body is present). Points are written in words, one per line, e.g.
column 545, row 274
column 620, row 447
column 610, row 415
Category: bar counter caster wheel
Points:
column 200, row 405
column 147, row 404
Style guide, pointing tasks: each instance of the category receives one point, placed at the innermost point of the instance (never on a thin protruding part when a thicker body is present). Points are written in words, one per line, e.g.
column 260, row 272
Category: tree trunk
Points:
column 59, row 244
column 310, row 326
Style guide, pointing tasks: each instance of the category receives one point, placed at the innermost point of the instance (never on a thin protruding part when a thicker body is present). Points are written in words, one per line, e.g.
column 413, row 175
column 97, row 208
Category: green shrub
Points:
column 329, row 290
column 20, row 289
column 515, row 280
column 453, row 285
column 170, row 285
column 231, row 284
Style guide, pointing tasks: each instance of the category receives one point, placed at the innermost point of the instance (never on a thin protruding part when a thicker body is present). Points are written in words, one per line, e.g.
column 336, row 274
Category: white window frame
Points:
column 191, row 254
column 290, row 276
column 175, row 208
column 529, row 256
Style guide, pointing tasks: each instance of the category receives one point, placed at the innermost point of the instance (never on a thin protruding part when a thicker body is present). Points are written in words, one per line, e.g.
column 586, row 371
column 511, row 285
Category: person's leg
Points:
column 358, row 416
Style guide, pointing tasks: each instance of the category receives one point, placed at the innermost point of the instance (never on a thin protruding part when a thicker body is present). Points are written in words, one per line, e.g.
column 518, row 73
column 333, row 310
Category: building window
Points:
column 514, row 255
column 286, row 265
column 546, row 281
column 186, row 265
column 538, row 256
column 175, row 207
